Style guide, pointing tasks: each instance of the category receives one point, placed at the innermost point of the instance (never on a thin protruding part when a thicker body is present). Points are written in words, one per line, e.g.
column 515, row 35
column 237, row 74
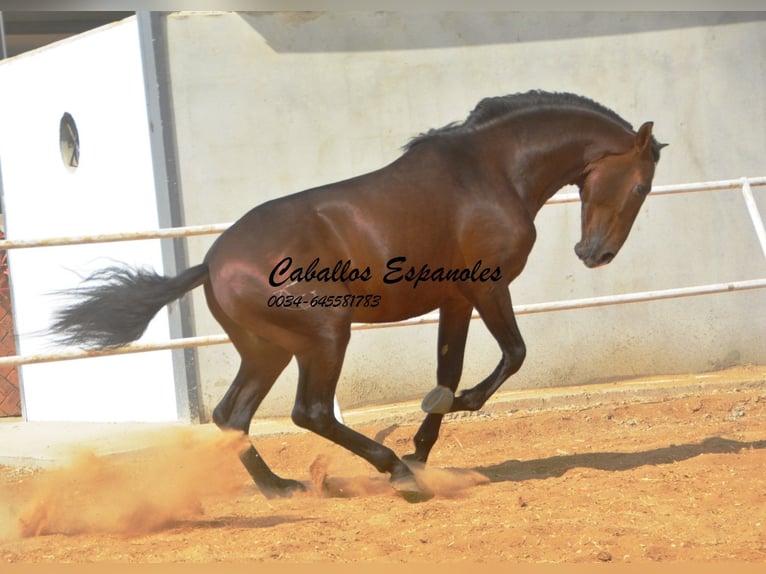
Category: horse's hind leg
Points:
column 262, row 362
column 320, row 364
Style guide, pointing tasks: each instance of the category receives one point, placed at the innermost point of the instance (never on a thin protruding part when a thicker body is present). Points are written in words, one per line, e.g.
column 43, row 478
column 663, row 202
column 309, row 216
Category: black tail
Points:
column 114, row 305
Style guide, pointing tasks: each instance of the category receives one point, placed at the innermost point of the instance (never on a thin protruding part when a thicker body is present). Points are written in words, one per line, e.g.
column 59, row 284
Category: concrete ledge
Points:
column 45, row 444
column 638, row 390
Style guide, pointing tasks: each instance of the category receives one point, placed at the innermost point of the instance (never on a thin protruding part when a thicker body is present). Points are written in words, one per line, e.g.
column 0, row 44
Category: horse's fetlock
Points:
column 473, row 400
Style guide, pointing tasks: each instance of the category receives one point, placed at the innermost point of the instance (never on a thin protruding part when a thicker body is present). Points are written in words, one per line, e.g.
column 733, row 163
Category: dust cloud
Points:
column 442, row 482
column 448, row 482
column 164, row 482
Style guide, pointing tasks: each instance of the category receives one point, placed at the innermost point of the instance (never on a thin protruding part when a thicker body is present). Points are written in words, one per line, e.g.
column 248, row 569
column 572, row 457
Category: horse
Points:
column 447, row 225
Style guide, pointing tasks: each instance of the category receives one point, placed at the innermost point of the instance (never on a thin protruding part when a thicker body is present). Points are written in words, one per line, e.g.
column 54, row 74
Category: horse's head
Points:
column 611, row 192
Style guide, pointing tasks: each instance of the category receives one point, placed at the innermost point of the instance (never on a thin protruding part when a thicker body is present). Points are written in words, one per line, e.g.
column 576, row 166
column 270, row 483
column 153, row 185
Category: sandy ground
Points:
column 680, row 478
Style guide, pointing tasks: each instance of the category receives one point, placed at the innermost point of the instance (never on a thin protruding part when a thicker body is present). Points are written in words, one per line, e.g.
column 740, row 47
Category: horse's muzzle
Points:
column 592, row 255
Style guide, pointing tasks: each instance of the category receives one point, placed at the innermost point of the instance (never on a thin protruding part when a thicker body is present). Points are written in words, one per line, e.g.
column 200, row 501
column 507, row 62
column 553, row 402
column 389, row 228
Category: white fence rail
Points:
column 743, row 184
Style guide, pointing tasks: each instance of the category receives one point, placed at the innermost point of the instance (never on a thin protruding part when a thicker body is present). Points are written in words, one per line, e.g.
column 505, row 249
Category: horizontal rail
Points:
column 588, row 302
column 196, row 230
column 429, row 318
column 167, row 233
column 674, row 189
column 73, row 354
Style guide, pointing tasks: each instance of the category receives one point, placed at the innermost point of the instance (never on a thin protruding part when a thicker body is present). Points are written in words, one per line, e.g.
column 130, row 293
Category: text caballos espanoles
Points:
column 395, row 271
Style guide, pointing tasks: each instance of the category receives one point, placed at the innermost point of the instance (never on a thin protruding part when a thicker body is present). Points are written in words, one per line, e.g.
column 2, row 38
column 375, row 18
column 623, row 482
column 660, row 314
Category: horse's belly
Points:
column 397, row 304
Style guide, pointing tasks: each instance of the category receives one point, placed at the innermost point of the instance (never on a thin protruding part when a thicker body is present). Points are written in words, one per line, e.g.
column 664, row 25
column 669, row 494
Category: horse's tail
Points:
column 114, row 306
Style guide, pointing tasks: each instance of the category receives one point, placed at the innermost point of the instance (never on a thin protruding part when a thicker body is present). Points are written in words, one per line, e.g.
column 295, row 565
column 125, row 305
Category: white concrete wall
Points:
column 98, row 79
column 268, row 104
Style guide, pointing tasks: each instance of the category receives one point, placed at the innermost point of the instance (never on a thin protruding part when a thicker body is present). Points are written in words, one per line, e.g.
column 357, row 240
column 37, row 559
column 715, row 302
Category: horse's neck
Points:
column 552, row 157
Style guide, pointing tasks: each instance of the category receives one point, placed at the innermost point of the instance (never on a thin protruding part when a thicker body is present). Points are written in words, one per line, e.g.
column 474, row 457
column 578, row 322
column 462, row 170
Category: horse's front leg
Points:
column 496, row 310
column 454, row 319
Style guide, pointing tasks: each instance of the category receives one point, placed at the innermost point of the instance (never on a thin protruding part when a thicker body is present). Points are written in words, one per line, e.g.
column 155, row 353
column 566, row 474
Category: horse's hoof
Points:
column 409, row 489
column 284, row 488
column 438, row 401
column 414, row 459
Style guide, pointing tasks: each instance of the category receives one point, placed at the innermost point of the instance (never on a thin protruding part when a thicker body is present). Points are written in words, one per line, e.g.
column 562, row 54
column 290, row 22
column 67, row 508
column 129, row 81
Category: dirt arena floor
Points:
column 681, row 478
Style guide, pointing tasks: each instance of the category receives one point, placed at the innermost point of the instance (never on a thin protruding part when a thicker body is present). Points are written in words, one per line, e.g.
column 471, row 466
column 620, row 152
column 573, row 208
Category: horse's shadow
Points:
column 555, row 466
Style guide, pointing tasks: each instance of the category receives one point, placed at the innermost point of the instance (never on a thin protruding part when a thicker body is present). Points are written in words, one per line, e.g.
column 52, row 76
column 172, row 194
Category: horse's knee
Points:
column 514, row 357
column 220, row 417
column 300, row 417
column 316, row 418
column 227, row 418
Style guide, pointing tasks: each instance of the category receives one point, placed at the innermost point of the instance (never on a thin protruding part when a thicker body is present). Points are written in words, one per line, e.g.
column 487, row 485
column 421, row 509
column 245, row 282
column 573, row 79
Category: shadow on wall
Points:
column 298, row 32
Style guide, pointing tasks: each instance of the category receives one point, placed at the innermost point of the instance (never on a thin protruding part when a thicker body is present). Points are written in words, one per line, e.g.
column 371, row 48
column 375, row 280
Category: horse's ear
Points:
column 644, row 136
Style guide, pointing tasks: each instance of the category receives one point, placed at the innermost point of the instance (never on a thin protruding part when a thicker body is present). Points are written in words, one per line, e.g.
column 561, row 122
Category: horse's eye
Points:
column 641, row 189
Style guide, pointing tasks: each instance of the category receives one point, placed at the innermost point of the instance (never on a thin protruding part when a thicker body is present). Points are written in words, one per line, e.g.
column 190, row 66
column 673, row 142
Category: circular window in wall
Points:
column 70, row 142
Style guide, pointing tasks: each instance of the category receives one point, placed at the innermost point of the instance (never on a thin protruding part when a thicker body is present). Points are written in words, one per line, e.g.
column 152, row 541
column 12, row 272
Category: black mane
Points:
column 490, row 109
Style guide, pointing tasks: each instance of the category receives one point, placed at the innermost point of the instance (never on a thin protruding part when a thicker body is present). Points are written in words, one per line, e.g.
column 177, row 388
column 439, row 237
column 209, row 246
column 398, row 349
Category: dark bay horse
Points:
column 448, row 226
